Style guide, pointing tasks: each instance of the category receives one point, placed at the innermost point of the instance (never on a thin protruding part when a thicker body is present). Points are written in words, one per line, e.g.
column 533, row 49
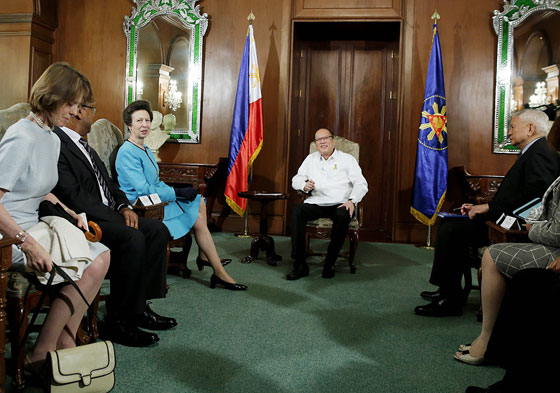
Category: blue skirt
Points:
column 180, row 216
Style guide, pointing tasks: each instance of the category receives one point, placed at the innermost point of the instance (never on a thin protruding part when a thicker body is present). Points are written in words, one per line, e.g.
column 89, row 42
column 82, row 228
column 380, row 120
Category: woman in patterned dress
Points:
column 502, row 261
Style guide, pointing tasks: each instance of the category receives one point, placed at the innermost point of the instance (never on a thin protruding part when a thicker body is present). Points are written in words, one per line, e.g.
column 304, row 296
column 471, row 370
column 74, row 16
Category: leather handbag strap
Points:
column 56, row 269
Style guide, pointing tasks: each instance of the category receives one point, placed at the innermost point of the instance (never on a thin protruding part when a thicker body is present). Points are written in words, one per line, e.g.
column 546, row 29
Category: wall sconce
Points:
column 173, row 98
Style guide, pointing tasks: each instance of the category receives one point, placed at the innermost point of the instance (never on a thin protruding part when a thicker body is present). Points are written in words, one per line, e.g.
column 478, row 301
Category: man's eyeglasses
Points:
column 325, row 138
column 89, row 107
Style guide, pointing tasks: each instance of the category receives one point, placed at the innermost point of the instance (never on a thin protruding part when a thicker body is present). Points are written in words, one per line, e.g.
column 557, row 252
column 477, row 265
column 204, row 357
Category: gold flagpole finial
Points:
column 436, row 16
column 251, row 17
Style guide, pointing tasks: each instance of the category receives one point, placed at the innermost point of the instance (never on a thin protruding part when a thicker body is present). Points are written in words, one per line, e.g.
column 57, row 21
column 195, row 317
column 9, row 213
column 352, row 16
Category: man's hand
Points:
column 348, row 205
column 555, row 266
column 473, row 210
column 309, row 185
column 130, row 218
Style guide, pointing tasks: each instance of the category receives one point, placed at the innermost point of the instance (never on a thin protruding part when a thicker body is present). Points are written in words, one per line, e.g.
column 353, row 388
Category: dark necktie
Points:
column 98, row 174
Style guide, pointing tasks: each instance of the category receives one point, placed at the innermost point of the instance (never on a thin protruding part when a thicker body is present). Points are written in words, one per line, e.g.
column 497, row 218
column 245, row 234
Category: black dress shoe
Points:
column 215, row 280
column 300, row 270
column 153, row 321
column 431, row 295
column 125, row 333
column 328, row 271
column 440, row 308
column 200, row 263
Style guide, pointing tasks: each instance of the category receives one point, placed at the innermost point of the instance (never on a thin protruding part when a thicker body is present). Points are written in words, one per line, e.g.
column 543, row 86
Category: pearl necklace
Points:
column 40, row 122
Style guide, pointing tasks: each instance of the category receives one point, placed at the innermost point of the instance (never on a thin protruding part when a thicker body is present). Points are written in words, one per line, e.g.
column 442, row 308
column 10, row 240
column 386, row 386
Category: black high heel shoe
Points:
column 227, row 285
column 201, row 263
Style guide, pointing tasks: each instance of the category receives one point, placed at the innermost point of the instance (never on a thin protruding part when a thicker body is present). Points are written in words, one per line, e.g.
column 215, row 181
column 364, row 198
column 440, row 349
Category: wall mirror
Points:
column 164, row 62
column 527, row 61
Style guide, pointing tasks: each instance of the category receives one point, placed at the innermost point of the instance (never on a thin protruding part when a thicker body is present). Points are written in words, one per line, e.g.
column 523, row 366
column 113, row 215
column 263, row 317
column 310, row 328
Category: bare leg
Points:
column 67, row 311
column 206, row 244
column 493, row 291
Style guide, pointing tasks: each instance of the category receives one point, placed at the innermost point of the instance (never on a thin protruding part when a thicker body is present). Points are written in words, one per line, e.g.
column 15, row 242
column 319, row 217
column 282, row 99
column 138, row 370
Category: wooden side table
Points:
column 262, row 241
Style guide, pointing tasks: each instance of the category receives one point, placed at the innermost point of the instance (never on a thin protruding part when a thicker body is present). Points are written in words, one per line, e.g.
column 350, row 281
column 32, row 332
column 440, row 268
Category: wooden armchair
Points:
column 464, row 187
column 321, row 228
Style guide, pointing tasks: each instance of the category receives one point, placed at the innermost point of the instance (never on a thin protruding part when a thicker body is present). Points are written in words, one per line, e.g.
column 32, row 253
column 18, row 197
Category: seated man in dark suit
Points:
column 535, row 169
column 138, row 246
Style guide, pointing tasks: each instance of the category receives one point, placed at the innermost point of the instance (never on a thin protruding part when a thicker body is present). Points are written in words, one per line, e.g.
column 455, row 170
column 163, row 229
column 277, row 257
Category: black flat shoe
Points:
column 431, row 295
column 200, row 263
column 301, row 270
column 440, row 308
column 153, row 321
column 214, row 280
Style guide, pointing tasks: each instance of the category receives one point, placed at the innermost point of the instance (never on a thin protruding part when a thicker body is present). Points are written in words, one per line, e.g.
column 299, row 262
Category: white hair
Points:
column 538, row 118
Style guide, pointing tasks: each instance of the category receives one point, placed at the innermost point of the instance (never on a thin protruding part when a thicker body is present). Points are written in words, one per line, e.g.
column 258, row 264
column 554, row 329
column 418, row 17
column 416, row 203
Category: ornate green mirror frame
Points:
column 505, row 22
column 190, row 18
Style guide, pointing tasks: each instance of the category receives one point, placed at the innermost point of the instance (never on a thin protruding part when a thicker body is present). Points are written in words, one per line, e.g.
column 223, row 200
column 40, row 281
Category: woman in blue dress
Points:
column 138, row 175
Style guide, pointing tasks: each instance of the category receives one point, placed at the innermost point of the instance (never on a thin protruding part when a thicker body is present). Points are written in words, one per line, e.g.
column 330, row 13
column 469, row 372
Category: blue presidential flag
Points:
column 430, row 177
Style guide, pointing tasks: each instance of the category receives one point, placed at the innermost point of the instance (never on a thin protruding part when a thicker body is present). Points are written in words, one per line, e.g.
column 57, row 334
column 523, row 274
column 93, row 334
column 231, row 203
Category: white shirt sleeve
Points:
column 359, row 183
column 299, row 180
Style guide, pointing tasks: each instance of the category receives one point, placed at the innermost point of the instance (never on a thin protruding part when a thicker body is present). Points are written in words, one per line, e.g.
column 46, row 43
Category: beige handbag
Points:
column 88, row 368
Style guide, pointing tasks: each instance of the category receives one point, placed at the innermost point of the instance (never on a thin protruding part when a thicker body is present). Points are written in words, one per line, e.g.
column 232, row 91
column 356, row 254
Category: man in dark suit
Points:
column 535, row 169
column 138, row 246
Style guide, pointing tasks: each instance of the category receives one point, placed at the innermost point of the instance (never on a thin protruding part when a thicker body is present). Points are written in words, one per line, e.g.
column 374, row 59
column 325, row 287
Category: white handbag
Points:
column 85, row 369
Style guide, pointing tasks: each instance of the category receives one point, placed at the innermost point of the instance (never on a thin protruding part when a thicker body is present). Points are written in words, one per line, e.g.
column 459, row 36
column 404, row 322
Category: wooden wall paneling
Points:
column 339, row 9
column 26, row 36
column 468, row 45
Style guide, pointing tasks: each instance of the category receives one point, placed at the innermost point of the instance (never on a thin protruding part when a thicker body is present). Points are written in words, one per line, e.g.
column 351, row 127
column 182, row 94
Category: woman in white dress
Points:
column 28, row 161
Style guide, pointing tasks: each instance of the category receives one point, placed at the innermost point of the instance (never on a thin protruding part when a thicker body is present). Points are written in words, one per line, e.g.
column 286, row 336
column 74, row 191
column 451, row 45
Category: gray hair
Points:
column 538, row 118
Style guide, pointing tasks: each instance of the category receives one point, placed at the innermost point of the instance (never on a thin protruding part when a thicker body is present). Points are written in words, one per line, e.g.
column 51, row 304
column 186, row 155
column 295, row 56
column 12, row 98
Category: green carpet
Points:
column 353, row 333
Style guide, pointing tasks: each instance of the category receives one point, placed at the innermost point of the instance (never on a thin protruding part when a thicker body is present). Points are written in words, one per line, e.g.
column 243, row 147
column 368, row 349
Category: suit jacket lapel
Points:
column 72, row 148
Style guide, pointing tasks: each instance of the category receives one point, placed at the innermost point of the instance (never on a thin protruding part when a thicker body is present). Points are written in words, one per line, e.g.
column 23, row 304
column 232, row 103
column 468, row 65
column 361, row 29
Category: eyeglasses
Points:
column 89, row 107
column 325, row 138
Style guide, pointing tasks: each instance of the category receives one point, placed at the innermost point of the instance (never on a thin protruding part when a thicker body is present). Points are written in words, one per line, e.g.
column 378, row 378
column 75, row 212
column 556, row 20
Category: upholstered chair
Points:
column 106, row 138
column 321, row 228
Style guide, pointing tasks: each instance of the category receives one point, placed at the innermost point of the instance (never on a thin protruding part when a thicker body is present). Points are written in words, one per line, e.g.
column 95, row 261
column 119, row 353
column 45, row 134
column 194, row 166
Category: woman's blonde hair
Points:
column 59, row 84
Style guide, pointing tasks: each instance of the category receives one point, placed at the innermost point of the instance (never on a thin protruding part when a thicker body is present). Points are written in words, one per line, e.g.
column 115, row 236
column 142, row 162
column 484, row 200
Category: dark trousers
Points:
column 451, row 256
column 138, row 264
column 305, row 212
column 525, row 338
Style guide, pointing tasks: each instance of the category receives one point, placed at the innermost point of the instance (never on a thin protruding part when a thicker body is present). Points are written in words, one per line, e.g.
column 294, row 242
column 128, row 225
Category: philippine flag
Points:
column 246, row 128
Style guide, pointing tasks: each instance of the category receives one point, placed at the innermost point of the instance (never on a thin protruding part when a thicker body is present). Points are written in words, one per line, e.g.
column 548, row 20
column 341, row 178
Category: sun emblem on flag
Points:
column 437, row 121
column 254, row 76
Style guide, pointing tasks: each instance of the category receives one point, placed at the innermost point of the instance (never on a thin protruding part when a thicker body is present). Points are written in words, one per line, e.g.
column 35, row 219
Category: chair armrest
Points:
column 9, row 241
column 155, row 212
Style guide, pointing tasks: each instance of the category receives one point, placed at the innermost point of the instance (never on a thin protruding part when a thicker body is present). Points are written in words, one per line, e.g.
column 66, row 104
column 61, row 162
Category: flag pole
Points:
column 245, row 233
column 245, row 230
column 428, row 246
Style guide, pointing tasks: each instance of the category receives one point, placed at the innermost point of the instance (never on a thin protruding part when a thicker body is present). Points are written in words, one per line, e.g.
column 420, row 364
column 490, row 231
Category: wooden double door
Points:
column 349, row 86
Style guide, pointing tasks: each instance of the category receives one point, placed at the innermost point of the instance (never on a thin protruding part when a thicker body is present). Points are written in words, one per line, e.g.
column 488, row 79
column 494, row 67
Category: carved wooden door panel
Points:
column 350, row 87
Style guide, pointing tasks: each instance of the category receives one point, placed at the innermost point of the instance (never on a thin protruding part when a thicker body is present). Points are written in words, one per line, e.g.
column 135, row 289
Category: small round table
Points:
column 262, row 241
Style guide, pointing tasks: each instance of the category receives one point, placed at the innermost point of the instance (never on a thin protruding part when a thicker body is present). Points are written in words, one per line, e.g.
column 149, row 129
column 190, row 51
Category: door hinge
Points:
column 389, row 134
column 299, row 93
column 301, row 53
column 394, row 54
column 298, row 132
column 392, row 95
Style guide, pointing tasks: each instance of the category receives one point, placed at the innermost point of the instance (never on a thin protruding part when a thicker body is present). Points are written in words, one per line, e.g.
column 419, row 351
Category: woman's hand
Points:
column 80, row 221
column 555, row 266
column 37, row 257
